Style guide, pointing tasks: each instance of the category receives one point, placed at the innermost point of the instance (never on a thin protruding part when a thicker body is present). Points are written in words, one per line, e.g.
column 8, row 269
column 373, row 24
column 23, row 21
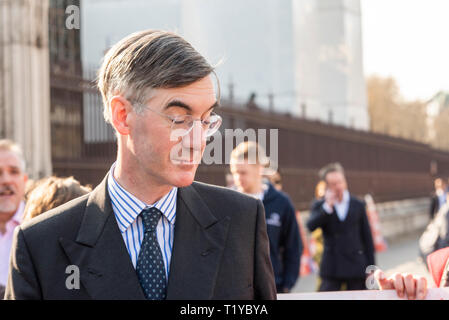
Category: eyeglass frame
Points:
column 173, row 118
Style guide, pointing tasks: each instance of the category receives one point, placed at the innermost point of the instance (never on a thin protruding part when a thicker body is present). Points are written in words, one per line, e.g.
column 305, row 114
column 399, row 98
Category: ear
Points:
column 120, row 108
column 262, row 170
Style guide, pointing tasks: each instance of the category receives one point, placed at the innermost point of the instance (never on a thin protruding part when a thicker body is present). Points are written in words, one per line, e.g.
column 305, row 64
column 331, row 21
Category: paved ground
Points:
column 401, row 256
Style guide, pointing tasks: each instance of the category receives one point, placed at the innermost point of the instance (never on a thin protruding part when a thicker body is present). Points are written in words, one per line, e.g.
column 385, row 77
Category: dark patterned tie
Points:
column 150, row 265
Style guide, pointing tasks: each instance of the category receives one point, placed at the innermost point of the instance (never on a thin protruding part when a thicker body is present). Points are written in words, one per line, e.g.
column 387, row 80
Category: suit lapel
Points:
column 106, row 271
column 199, row 242
column 350, row 210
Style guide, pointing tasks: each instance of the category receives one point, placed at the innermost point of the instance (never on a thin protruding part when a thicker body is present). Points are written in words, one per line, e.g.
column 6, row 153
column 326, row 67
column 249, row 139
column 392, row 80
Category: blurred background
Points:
column 361, row 82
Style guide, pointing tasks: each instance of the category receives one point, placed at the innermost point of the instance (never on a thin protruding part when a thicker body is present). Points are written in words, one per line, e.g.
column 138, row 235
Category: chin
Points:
column 9, row 205
column 184, row 177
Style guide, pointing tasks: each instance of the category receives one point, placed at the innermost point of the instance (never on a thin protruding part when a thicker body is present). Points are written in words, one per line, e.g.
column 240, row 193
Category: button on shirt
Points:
column 340, row 207
column 6, row 243
column 127, row 208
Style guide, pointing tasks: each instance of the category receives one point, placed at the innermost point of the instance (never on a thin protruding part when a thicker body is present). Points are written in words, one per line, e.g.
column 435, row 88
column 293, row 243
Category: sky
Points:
column 408, row 40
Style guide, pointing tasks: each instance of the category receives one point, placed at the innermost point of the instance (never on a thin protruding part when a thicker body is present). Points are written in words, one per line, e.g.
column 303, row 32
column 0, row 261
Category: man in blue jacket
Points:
column 247, row 167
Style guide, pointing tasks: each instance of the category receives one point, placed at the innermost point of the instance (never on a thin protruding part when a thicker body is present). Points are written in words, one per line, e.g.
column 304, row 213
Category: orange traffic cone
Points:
column 373, row 217
column 307, row 263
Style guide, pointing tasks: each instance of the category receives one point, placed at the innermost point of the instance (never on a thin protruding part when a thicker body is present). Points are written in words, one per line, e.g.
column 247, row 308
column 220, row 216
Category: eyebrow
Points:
column 178, row 103
column 11, row 168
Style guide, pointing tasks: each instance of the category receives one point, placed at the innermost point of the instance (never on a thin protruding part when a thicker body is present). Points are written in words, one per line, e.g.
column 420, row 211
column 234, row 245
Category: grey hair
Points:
column 331, row 167
column 11, row 146
column 148, row 60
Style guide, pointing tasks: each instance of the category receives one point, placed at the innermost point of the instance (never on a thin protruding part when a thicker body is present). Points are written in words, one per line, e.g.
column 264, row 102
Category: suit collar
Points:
column 198, row 246
column 127, row 207
column 98, row 210
column 346, row 198
column 106, row 270
column 196, row 206
column 342, row 208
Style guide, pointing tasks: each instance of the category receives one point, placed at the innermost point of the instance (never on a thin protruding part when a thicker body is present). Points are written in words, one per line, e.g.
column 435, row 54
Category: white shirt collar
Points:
column 342, row 207
column 345, row 198
column 127, row 207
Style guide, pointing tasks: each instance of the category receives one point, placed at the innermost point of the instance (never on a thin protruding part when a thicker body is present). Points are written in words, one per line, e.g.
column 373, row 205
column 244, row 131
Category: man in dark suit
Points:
column 438, row 198
column 148, row 231
column 348, row 244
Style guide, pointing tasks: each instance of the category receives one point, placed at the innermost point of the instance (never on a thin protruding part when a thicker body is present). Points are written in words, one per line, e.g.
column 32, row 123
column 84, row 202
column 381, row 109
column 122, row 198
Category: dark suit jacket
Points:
column 348, row 244
column 220, row 250
column 434, row 205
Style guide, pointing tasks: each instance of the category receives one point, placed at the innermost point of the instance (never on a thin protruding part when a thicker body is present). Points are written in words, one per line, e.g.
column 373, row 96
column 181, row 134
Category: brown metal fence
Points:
column 386, row 167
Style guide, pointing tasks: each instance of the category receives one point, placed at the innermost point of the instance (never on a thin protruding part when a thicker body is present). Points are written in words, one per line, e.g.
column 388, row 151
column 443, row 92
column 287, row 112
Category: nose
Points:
column 5, row 177
column 196, row 138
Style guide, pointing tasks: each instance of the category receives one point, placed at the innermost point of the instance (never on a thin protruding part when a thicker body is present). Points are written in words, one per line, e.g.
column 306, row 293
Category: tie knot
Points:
column 150, row 218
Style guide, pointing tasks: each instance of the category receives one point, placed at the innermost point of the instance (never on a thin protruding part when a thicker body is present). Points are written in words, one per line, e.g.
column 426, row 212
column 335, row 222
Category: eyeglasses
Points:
column 185, row 122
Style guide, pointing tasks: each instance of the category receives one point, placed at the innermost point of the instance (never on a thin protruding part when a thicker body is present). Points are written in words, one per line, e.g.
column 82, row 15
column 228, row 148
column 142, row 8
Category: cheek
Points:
column 236, row 177
column 152, row 142
column 19, row 184
column 21, row 188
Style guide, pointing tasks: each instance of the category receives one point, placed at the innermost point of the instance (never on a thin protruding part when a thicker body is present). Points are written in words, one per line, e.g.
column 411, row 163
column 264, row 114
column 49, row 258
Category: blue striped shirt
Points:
column 127, row 208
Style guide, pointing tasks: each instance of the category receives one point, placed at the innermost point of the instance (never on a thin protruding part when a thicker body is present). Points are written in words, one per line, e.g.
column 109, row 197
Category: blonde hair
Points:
column 250, row 151
column 320, row 189
column 9, row 145
column 50, row 193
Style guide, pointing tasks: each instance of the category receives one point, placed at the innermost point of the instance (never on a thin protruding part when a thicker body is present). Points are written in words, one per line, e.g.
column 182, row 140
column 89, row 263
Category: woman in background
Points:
column 49, row 193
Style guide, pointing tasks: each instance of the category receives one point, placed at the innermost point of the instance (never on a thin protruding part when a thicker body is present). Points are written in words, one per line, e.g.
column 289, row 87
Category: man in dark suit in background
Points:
column 348, row 244
column 438, row 198
column 148, row 231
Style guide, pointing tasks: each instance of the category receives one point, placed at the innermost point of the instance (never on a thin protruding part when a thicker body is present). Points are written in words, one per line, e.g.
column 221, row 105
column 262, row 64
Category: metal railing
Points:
column 388, row 168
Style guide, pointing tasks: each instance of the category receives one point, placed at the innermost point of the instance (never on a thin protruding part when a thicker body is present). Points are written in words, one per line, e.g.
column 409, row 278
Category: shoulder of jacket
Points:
column 60, row 216
column 357, row 200
column 317, row 203
column 210, row 190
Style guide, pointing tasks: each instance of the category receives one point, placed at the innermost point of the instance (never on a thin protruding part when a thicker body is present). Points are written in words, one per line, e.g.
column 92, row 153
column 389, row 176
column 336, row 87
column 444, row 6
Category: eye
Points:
column 211, row 118
column 180, row 119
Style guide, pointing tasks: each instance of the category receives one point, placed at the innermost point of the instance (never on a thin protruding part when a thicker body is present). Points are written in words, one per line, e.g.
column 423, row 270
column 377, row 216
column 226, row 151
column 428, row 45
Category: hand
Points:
column 414, row 286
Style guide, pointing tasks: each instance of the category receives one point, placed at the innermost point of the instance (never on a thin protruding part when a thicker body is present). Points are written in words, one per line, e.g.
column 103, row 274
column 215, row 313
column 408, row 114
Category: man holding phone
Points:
column 348, row 244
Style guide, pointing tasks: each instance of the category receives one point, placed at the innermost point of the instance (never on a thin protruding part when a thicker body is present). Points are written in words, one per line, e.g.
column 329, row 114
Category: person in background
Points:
column 320, row 190
column 247, row 165
column 12, row 190
column 276, row 180
column 348, row 244
column 438, row 198
column 317, row 234
column 50, row 193
column 30, row 186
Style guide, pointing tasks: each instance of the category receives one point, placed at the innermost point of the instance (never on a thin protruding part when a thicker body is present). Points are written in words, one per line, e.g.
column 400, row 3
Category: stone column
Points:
column 24, row 81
